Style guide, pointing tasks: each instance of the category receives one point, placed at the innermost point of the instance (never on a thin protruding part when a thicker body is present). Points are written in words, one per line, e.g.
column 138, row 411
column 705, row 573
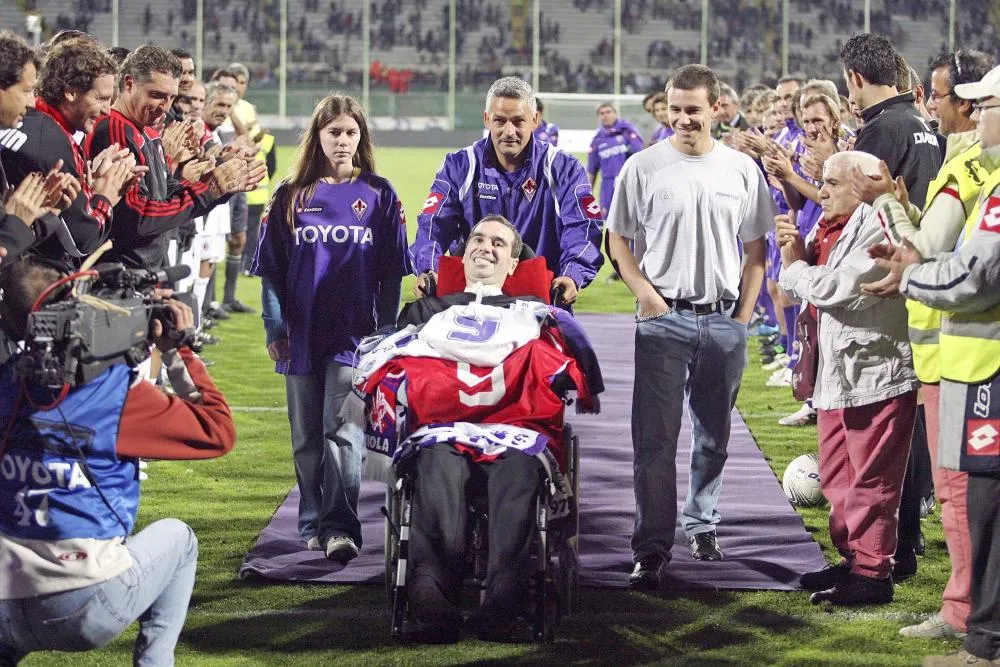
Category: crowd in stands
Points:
column 744, row 37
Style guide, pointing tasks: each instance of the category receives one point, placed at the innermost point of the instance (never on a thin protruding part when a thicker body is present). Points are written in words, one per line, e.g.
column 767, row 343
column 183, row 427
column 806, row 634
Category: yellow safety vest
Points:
column 968, row 175
column 970, row 342
column 262, row 194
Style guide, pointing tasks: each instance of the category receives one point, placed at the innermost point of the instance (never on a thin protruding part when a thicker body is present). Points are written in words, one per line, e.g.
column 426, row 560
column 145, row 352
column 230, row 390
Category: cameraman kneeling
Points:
column 73, row 577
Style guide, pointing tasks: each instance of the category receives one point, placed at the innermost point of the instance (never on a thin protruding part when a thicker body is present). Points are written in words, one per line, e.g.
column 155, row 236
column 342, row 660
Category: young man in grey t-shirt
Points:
column 694, row 201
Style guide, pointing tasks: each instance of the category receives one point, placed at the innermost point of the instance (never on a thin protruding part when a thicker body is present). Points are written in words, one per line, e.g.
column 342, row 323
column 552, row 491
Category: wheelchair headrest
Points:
column 531, row 277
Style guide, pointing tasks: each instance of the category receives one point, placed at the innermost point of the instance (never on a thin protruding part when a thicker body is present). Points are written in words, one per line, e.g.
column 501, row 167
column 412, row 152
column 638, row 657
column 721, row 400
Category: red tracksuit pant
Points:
column 862, row 459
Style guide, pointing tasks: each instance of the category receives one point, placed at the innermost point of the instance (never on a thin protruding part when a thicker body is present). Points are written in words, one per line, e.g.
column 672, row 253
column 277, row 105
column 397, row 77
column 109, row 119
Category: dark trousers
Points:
column 917, row 485
column 440, row 517
column 984, row 529
column 254, row 213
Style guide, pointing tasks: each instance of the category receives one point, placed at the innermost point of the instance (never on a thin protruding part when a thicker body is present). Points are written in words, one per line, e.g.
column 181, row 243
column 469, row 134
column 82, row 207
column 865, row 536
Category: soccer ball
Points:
column 801, row 482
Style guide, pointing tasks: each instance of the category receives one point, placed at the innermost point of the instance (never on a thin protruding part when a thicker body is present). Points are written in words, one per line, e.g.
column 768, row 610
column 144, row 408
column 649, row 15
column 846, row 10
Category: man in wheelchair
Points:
column 509, row 359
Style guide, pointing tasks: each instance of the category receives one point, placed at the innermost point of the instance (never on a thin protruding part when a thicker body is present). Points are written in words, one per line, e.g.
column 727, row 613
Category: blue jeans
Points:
column 328, row 470
column 156, row 590
column 701, row 357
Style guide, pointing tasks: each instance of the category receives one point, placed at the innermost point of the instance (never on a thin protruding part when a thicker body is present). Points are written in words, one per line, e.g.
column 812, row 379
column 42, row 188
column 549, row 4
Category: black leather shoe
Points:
column 433, row 618
column 828, row 577
column 856, row 590
column 704, row 546
column 648, row 573
column 905, row 565
column 494, row 620
column 237, row 306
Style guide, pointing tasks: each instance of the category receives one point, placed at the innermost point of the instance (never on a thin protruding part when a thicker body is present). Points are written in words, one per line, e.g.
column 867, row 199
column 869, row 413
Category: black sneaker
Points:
column 856, row 590
column 704, row 546
column 206, row 338
column 216, row 314
column 207, row 323
column 494, row 621
column 237, row 306
column 433, row 618
column 827, row 578
column 648, row 573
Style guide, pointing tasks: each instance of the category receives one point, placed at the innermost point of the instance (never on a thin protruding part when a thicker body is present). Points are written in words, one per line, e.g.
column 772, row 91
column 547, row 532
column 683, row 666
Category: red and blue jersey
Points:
column 328, row 266
column 549, row 200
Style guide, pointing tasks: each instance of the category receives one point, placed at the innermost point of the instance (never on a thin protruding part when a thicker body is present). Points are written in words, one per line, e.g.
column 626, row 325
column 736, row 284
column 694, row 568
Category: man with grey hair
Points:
column 865, row 390
column 729, row 116
column 543, row 191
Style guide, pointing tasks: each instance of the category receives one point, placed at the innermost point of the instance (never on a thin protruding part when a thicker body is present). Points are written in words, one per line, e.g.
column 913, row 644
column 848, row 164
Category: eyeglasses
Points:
column 984, row 107
column 938, row 96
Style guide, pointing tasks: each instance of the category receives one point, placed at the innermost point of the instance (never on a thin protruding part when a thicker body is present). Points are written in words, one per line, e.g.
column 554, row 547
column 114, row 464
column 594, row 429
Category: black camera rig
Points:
column 104, row 320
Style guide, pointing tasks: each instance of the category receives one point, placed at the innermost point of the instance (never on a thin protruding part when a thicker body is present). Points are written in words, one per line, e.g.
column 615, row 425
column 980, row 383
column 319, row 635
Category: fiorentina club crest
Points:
column 359, row 207
column 529, row 188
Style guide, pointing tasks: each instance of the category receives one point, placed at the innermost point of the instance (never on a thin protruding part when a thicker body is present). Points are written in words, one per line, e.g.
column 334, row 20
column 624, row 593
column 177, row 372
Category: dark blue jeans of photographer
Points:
column 156, row 590
column 677, row 355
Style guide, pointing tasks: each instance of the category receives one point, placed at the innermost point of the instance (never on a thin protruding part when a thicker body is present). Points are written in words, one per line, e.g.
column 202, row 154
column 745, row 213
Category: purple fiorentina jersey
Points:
column 548, row 132
column 791, row 137
column 661, row 133
column 609, row 149
column 347, row 240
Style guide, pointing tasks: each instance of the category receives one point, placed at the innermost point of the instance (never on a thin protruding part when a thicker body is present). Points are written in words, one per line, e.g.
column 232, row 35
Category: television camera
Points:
column 104, row 317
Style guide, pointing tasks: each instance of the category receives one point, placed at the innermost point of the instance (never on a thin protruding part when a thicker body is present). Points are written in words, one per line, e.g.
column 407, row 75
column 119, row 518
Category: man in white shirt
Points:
column 695, row 201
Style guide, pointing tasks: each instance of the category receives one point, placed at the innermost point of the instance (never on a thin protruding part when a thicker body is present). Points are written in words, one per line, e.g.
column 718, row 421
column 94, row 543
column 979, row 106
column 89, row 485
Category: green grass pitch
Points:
column 229, row 500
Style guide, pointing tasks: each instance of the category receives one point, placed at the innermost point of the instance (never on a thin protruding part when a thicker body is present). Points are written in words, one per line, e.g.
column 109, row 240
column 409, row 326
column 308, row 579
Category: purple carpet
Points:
column 765, row 542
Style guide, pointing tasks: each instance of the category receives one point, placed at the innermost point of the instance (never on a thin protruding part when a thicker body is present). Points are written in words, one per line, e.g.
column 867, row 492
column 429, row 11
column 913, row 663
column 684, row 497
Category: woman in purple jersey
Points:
column 331, row 255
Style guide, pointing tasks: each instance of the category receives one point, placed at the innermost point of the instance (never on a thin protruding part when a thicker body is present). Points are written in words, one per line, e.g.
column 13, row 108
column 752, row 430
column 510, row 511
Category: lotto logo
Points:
column 433, row 202
column 359, row 207
column 591, row 208
column 984, row 437
column 991, row 219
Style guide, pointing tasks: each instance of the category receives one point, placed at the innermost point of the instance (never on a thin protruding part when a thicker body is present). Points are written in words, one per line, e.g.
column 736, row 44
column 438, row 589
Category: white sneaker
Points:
column 341, row 549
column 804, row 416
column 312, row 544
column 780, row 378
column 933, row 627
column 780, row 361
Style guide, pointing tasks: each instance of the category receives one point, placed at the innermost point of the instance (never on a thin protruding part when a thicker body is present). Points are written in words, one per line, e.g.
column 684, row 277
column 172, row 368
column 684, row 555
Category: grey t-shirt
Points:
column 690, row 211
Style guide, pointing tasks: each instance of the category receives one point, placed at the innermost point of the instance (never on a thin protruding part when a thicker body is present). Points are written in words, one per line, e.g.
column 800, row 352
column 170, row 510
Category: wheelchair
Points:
column 554, row 561
column 553, row 582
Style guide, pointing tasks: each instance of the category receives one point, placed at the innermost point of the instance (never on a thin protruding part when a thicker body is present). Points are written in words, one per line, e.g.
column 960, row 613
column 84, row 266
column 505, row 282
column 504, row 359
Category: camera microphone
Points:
column 172, row 274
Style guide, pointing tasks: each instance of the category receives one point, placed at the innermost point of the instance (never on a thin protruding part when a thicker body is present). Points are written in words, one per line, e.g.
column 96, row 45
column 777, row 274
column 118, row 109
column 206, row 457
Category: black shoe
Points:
column 206, row 338
column 237, row 306
column 434, row 619
column 208, row 323
column 216, row 313
column 648, row 573
column 704, row 546
column 855, row 590
column 494, row 620
column 905, row 565
column 827, row 578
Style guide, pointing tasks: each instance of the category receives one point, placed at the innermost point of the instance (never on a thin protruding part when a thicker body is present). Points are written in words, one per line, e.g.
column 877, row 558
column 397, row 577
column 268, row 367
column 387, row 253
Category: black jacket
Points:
column 895, row 131
column 88, row 218
column 158, row 204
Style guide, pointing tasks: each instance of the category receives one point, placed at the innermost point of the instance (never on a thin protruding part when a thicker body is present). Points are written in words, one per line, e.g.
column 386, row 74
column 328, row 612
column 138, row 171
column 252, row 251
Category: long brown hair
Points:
column 309, row 162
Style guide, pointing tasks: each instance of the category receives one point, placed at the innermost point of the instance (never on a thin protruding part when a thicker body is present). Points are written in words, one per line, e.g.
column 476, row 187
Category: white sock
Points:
column 200, row 288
